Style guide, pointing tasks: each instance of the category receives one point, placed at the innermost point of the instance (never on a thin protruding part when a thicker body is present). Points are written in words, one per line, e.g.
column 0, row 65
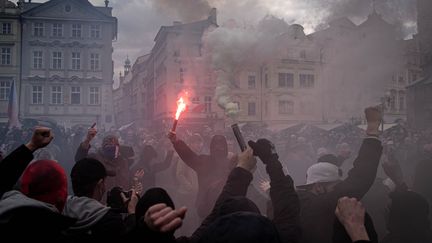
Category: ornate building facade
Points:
column 67, row 67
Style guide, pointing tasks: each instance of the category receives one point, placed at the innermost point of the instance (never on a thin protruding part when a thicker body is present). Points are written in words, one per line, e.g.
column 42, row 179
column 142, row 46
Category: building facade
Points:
column 10, row 53
column 67, row 67
column 284, row 89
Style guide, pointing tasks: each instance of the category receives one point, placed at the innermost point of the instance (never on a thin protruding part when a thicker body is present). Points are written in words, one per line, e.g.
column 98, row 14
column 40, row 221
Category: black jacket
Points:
column 211, row 173
column 282, row 193
column 318, row 211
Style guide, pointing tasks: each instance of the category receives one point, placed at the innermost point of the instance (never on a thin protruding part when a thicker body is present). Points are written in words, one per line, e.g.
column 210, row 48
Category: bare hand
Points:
column 246, row 160
column 374, row 118
column 164, row 219
column 172, row 137
column 139, row 174
column 351, row 214
column 264, row 185
column 131, row 202
column 91, row 133
column 42, row 136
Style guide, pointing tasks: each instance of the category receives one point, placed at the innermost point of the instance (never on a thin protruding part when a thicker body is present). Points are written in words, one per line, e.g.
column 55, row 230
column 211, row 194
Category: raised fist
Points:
column 42, row 136
column 264, row 149
column 374, row 118
column 91, row 133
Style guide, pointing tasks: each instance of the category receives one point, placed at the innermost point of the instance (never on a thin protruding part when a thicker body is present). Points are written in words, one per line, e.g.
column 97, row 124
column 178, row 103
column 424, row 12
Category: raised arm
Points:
column 236, row 186
column 84, row 147
column 12, row 167
column 362, row 175
column 190, row 158
column 285, row 202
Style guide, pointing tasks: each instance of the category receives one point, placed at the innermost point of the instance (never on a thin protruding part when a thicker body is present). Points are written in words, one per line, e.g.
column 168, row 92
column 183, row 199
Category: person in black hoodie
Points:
column 95, row 221
column 319, row 197
column 34, row 211
column 212, row 170
column 243, row 217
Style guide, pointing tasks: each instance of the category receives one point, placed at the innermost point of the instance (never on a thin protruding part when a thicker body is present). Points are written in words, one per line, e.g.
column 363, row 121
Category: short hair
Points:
column 85, row 175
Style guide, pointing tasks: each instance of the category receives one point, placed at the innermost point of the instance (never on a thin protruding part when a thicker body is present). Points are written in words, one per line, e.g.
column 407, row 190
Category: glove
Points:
column 264, row 149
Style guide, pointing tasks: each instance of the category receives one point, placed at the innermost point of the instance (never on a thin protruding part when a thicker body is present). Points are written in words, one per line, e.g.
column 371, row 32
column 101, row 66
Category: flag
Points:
column 13, row 107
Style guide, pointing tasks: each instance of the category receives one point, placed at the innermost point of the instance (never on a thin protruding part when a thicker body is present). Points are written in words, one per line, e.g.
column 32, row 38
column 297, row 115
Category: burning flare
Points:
column 181, row 106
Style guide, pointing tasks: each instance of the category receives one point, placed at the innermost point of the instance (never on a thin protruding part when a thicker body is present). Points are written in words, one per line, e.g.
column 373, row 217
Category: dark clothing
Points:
column 340, row 235
column 317, row 211
column 211, row 172
column 12, row 167
column 22, row 217
column 95, row 221
column 151, row 169
column 282, row 193
column 117, row 169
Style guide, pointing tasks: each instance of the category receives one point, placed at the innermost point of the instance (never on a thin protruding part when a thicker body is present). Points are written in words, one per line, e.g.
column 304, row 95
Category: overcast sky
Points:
column 139, row 20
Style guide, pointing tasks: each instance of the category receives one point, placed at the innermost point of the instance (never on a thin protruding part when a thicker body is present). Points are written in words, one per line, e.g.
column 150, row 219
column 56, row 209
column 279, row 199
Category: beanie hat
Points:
column 322, row 172
column 46, row 181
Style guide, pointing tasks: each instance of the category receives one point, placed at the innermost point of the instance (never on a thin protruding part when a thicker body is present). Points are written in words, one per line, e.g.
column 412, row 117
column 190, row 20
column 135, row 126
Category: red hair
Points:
column 46, row 181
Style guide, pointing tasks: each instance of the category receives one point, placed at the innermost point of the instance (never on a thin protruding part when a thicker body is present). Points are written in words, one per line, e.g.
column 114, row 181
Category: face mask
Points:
column 110, row 151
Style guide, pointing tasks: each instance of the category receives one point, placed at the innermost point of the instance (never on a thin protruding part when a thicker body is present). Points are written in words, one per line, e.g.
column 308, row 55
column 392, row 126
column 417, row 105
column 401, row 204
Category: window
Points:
column 195, row 100
column 5, row 89
column 37, row 60
column 286, row 80
column 393, row 100
column 95, row 31
column 94, row 61
column 76, row 30
column 76, row 60
column 208, row 104
column 94, row 96
column 251, row 82
column 286, row 107
column 37, row 95
column 56, row 95
column 38, row 29
column 57, row 59
column 5, row 56
column 251, row 109
column 303, row 54
column 307, row 80
column 68, row 8
column 57, row 30
column 75, row 95
column 266, row 81
column 6, row 28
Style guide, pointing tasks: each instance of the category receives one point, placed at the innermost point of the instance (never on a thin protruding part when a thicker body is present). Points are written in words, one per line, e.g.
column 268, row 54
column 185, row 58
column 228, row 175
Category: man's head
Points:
column 46, row 181
column 88, row 178
column 321, row 178
column 219, row 146
column 408, row 213
column 110, row 147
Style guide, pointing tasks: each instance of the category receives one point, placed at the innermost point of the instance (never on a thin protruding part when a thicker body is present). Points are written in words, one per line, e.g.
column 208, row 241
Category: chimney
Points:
column 213, row 16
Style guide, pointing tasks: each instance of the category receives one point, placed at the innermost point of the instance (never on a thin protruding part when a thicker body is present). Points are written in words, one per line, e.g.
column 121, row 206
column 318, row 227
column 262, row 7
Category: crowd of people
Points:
column 303, row 184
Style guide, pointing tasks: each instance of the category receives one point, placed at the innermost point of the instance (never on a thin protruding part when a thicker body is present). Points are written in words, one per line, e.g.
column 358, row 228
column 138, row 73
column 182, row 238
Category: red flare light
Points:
column 181, row 106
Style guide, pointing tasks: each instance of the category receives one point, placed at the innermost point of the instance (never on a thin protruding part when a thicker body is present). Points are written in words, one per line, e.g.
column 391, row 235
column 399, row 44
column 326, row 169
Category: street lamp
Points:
column 385, row 101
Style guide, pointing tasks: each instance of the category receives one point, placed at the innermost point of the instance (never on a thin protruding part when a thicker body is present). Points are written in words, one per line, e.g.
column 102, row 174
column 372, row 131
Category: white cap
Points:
column 322, row 172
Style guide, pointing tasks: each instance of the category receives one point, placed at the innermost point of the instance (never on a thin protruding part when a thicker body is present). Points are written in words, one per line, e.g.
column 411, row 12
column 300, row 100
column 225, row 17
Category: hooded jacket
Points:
column 23, row 218
column 212, row 171
column 94, row 220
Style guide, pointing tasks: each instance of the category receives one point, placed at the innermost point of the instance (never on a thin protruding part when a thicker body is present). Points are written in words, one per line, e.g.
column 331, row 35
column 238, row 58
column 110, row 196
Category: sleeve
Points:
column 362, row 175
column 187, row 155
column 111, row 225
column 236, row 185
column 285, row 203
column 12, row 167
column 81, row 153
